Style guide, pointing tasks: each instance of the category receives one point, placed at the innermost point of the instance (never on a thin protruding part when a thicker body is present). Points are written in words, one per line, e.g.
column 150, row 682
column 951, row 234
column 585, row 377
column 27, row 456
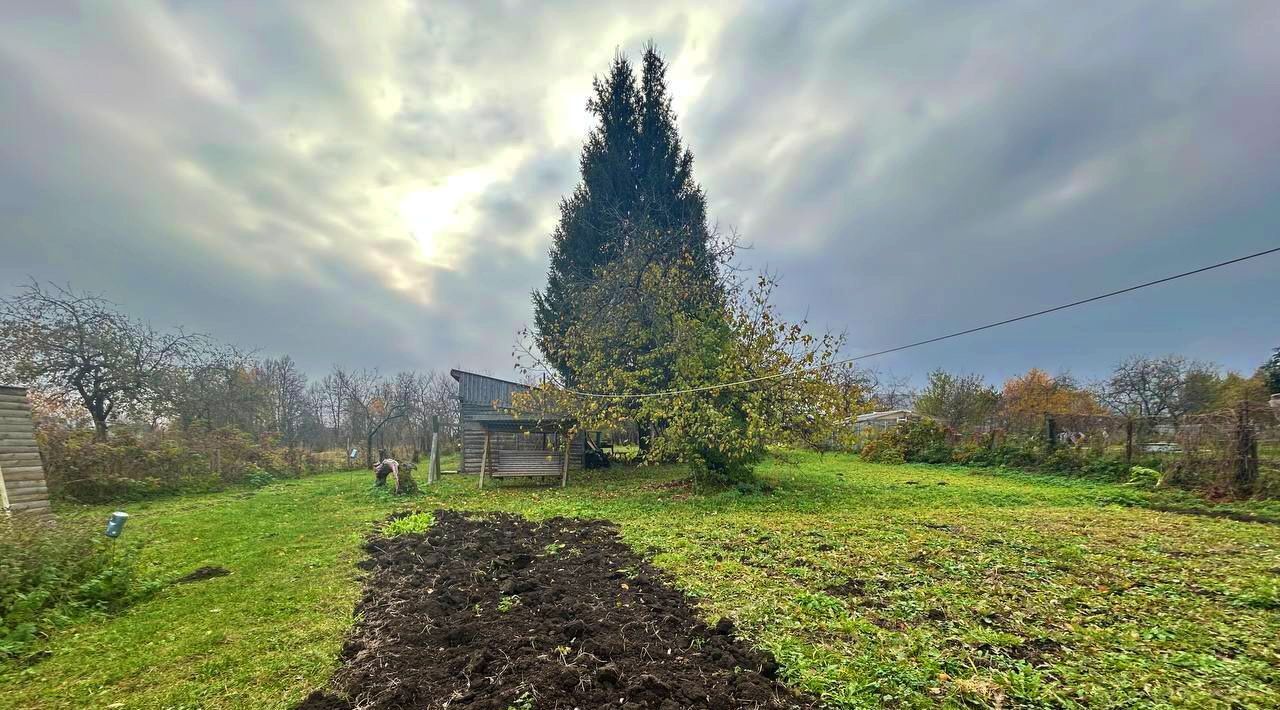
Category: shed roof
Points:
column 488, row 399
column 872, row 416
column 459, row 374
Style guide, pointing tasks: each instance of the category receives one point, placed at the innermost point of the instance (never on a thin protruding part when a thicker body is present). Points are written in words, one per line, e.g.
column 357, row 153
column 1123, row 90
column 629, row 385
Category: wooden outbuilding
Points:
column 22, row 482
column 498, row 442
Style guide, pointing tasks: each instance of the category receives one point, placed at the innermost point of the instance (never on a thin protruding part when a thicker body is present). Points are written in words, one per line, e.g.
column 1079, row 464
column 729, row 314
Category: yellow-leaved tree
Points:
column 1026, row 399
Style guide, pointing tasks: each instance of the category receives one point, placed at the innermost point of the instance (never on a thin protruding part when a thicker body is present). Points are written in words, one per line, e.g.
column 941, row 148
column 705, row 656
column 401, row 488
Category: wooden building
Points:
column 22, row 483
column 496, row 443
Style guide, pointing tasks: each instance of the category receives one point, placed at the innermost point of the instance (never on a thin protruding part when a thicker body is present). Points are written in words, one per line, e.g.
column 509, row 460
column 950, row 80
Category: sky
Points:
column 374, row 184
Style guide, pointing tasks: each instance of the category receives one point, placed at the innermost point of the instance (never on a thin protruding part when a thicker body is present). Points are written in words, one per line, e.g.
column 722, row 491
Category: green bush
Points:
column 970, row 453
column 1016, row 453
column 1143, row 476
column 52, row 571
column 923, row 441
column 881, row 450
column 1107, row 467
column 258, row 477
column 1063, row 459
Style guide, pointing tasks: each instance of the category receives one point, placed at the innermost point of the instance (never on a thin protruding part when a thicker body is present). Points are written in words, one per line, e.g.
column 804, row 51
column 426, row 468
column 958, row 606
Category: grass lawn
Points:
column 904, row 585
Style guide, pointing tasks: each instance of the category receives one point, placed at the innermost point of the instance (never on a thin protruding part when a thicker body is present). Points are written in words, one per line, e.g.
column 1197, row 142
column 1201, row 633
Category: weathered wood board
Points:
column 22, row 482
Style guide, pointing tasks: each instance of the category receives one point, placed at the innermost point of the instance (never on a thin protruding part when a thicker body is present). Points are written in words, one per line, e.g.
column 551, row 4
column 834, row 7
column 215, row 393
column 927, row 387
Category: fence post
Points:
column 1050, row 431
column 1246, row 454
column 433, row 462
column 1128, row 441
column 484, row 457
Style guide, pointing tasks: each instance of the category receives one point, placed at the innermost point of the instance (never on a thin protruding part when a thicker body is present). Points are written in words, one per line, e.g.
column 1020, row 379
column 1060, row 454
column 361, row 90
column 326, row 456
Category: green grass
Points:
column 872, row 584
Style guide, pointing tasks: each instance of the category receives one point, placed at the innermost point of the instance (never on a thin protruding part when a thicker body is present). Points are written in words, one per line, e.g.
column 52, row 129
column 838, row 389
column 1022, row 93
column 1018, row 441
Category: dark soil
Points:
column 498, row 611
column 203, row 573
column 851, row 588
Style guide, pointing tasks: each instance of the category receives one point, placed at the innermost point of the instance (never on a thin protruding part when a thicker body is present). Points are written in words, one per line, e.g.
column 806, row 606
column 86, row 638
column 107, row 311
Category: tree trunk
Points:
column 643, row 439
column 99, row 428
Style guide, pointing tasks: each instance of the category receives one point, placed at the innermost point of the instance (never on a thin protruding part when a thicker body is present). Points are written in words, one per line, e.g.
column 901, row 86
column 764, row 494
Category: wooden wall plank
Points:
column 21, row 470
column 30, row 507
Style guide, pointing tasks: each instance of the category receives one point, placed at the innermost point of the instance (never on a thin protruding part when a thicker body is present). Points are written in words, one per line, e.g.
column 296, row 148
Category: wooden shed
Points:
column 498, row 444
column 22, row 483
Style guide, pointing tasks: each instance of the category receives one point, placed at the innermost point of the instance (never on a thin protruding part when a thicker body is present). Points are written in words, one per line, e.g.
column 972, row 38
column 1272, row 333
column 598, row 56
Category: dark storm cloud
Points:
column 374, row 183
column 937, row 170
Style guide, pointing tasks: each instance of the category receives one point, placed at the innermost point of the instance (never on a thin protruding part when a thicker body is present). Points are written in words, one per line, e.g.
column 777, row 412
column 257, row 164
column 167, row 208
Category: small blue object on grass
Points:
column 115, row 524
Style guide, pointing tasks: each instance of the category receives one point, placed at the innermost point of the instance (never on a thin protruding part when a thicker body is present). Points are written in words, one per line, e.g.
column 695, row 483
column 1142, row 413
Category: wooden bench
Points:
column 523, row 464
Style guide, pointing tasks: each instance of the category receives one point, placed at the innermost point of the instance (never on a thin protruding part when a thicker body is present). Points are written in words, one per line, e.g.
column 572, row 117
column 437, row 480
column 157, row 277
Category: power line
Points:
column 967, row 331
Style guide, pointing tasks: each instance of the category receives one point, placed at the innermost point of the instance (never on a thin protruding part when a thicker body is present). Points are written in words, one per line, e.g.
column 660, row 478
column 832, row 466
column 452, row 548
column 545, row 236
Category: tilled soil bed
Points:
column 496, row 611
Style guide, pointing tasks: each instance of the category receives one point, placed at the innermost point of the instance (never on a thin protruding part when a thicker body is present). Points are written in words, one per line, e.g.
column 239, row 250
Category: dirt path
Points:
column 500, row 612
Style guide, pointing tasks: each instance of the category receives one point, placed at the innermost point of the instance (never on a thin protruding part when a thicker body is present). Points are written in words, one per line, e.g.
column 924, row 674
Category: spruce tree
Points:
column 673, row 202
column 637, row 179
column 1271, row 372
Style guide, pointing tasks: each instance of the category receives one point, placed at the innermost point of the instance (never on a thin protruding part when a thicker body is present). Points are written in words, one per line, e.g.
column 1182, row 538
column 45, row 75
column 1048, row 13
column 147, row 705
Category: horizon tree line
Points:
column 91, row 365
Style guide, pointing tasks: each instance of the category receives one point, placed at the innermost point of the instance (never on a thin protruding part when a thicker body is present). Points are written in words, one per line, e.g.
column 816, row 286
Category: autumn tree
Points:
column 79, row 347
column 962, row 401
column 1026, row 399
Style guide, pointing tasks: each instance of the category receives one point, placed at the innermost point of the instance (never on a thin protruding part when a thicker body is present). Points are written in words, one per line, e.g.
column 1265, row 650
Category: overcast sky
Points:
column 374, row 183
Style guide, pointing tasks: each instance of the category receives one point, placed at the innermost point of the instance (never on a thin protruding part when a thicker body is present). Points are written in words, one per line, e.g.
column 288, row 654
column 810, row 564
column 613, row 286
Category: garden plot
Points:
column 497, row 611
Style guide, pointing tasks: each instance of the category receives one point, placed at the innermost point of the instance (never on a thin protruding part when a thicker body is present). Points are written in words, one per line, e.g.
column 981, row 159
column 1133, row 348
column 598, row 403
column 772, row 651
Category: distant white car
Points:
column 1161, row 447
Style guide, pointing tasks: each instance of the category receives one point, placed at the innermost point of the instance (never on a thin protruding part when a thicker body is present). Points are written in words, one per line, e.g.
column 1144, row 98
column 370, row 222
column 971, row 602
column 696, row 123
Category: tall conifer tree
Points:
column 637, row 179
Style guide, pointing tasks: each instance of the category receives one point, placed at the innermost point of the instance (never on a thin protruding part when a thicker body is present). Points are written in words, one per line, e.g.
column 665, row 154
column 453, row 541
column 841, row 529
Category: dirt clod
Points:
column 437, row 627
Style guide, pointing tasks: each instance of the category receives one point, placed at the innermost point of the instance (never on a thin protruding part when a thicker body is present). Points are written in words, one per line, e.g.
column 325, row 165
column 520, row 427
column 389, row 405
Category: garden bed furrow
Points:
column 496, row 611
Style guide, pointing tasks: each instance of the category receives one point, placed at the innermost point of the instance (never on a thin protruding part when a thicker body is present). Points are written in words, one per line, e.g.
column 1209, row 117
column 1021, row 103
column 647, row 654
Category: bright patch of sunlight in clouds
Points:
column 441, row 216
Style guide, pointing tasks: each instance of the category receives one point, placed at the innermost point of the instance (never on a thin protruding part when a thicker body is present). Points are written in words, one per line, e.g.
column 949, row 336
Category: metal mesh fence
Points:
column 1236, row 448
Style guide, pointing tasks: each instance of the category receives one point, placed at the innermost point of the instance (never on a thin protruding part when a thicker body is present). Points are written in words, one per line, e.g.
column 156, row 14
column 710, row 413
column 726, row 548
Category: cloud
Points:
column 374, row 183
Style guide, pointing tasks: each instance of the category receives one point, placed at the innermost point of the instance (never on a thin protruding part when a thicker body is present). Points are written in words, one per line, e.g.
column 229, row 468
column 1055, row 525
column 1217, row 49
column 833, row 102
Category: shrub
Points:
column 1016, row 453
column 1110, row 468
column 923, row 441
column 881, row 450
column 1143, row 476
column 970, row 453
column 55, row 570
column 1063, row 459
column 259, row 477
column 131, row 466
